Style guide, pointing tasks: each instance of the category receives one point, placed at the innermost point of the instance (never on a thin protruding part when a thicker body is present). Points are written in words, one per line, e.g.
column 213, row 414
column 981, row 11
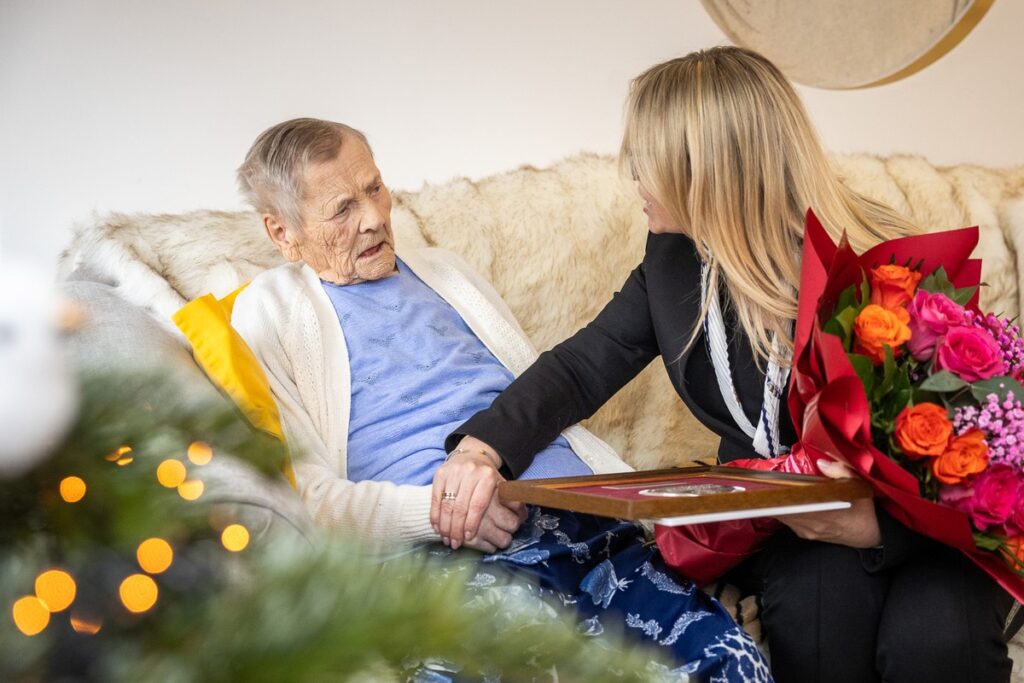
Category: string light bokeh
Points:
column 56, row 589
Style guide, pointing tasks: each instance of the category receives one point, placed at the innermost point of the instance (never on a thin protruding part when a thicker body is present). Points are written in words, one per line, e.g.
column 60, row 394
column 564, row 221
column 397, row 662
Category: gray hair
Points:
column 271, row 177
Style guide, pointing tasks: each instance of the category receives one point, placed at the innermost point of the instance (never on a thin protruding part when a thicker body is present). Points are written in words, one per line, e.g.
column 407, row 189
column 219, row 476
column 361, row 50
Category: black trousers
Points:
column 936, row 618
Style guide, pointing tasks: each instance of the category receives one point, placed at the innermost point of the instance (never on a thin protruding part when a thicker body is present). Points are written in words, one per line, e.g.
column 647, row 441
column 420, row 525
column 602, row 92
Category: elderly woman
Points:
column 373, row 358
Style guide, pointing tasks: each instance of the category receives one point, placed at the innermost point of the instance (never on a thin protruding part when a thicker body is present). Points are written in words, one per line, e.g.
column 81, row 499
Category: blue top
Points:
column 418, row 372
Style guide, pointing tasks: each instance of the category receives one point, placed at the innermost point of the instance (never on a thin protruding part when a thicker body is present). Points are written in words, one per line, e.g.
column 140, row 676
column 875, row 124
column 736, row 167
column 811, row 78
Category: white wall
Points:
column 149, row 105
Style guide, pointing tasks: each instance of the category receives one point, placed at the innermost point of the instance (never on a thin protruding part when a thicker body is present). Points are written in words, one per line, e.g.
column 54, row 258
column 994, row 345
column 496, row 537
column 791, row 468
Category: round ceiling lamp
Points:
column 848, row 43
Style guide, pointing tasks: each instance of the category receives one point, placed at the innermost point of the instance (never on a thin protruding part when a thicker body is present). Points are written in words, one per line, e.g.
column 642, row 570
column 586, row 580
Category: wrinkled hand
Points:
column 497, row 525
column 856, row 526
column 471, row 473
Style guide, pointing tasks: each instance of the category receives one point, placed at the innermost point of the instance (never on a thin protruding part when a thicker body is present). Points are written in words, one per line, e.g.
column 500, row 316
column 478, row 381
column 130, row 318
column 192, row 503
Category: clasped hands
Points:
column 471, row 514
column 856, row 526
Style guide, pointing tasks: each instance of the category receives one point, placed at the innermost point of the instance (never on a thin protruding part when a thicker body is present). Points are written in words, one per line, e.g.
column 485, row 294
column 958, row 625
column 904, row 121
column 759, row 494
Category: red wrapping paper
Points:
column 704, row 552
column 831, row 414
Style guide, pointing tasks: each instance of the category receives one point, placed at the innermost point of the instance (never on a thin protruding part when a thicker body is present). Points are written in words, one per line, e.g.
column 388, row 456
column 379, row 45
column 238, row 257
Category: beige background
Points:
column 148, row 106
column 848, row 43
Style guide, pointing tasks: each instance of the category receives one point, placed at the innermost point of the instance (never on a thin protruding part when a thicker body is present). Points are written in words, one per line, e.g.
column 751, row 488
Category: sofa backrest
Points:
column 556, row 243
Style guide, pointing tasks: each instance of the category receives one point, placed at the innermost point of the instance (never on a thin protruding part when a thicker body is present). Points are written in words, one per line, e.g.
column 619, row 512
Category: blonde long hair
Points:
column 722, row 141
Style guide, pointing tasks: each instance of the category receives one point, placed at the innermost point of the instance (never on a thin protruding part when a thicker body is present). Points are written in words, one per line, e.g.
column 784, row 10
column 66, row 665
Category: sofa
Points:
column 555, row 242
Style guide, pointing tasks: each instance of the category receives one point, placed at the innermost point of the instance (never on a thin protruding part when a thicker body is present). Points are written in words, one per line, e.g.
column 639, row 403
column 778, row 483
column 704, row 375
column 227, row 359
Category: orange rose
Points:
column 876, row 327
column 923, row 430
column 967, row 454
column 893, row 286
column 1013, row 549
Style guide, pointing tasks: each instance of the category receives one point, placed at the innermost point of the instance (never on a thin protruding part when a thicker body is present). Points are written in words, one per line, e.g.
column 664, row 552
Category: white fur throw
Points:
column 556, row 243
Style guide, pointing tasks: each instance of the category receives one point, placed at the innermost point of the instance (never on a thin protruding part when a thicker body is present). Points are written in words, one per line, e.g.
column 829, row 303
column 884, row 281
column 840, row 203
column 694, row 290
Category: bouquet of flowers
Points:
column 898, row 374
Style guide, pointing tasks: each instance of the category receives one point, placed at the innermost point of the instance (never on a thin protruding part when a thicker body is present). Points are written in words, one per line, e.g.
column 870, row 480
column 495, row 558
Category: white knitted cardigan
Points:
column 287, row 319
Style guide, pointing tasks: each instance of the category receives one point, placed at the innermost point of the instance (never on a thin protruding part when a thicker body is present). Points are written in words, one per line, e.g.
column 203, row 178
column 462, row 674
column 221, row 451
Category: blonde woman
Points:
column 727, row 164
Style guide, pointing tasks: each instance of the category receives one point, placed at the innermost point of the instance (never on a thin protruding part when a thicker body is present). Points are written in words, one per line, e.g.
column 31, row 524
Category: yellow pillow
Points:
column 229, row 362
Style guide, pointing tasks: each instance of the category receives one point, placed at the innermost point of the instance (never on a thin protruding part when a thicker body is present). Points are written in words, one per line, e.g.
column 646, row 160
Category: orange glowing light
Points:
column 154, row 555
column 30, row 615
column 235, row 537
column 83, row 624
column 56, row 589
column 190, row 489
column 116, row 455
column 138, row 593
column 171, row 473
column 125, row 460
column 72, row 489
column 200, row 453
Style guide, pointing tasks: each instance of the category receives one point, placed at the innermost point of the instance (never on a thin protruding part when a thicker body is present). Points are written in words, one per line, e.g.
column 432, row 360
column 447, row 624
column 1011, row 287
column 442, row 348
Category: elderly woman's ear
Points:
column 281, row 236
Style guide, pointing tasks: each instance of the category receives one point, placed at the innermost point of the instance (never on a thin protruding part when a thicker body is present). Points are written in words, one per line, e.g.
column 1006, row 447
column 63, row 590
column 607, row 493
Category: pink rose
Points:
column 931, row 316
column 997, row 494
column 970, row 353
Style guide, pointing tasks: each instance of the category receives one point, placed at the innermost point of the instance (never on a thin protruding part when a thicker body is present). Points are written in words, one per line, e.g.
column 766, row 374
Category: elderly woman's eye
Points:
column 375, row 190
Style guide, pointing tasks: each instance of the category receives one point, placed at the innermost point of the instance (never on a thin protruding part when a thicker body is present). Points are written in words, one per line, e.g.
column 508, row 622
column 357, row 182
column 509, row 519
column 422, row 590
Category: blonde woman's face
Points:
column 658, row 220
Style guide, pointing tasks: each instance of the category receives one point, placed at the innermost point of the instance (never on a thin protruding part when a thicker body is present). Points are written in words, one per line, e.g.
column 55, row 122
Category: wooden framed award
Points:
column 689, row 495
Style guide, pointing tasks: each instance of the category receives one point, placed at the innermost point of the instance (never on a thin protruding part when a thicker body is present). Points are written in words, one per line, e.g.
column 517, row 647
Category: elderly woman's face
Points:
column 346, row 220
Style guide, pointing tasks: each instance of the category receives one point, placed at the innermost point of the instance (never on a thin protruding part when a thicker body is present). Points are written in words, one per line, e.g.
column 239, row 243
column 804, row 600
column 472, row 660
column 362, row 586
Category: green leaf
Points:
column 888, row 373
column 986, row 542
column 880, row 423
column 1000, row 386
column 938, row 282
column 929, row 485
column 901, row 389
column 961, row 399
column 942, row 381
column 890, row 405
column 835, row 328
column 963, row 295
column 865, row 371
column 847, row 317
column 846, row 310
column 848, row 298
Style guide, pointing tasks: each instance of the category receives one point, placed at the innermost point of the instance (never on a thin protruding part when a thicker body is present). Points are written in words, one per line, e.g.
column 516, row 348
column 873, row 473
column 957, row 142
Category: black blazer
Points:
column 653, row 314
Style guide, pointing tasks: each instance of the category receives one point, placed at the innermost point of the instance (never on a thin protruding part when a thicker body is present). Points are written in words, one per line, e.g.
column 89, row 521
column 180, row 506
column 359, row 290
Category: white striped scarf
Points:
column 766, row 434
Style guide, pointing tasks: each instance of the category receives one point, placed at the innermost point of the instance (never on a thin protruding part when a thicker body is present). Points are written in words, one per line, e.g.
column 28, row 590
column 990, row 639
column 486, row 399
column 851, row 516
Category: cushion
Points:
column 229, row 362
